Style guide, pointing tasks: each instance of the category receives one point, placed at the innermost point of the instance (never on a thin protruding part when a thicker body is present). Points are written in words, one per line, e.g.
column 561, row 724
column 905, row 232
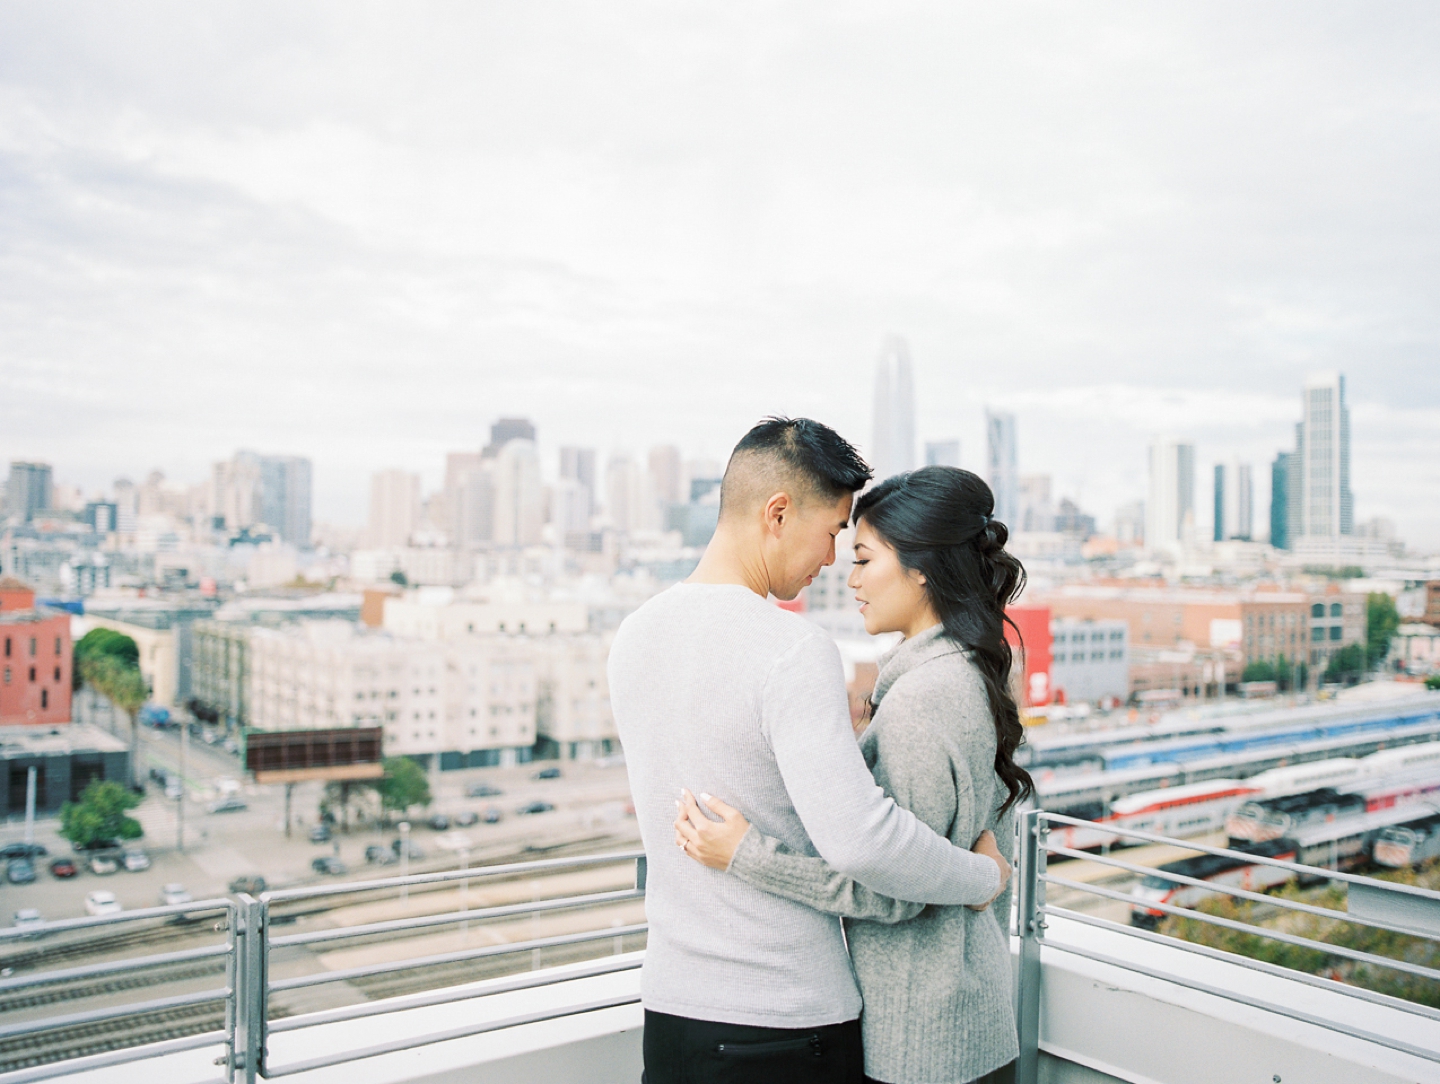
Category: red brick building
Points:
column 35, row 659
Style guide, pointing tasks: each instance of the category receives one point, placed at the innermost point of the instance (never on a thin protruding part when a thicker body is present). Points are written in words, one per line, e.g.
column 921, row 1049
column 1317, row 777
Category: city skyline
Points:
column 643, row 229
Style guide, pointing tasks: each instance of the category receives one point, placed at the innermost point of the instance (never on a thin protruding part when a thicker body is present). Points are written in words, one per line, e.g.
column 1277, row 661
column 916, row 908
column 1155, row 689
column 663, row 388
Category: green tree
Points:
column 1432, row 682
column 1381, row 621
column 403, row 786
column 399, row 577
column 125, row 687
column 1347, row 664
column 103, row 643
column 1260, row 670
column 100, row 815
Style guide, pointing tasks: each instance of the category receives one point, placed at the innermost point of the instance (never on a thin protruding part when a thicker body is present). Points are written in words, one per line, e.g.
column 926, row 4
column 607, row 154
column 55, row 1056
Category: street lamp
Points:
column 404, row 859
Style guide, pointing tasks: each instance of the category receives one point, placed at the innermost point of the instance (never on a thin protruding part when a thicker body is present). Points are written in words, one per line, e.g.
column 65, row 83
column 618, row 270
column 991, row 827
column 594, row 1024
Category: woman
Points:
column 930, row 563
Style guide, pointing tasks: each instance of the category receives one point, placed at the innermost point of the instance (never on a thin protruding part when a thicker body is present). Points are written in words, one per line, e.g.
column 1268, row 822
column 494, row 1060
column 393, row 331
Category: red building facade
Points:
column 35, row 659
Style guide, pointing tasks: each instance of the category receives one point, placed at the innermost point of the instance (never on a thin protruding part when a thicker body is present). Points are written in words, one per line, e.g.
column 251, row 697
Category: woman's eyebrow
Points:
column 861, row 546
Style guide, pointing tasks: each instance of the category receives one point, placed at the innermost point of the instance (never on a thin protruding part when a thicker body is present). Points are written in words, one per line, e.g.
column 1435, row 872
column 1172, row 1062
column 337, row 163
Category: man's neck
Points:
column 728, row 560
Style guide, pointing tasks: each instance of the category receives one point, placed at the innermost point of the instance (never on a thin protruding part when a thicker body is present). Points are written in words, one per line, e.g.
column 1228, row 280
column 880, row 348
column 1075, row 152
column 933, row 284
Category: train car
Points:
column 1258, row 821
column 1299, row 778
column 1406, row 756
column 1416, row 784
column 1338, row 843
column 1411, row 843
column 1183, row 811
column 1220, row 870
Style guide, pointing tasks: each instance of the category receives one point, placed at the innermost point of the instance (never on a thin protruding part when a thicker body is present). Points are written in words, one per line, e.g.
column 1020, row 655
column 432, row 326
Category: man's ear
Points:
column 777, row 509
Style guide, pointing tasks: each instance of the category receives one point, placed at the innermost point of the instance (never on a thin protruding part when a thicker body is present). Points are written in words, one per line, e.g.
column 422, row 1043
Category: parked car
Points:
column 227, row 805
column 253, row 884
column 231, row 746
column 135, row 861
column 321, row 834
column 174, row 789
column 482, row 790
column 440, row 822
column 103, row 864
column 415, row 852
column 377, row 855
column 174, row 893
column 22, row 850
column 493, row 815
column 535, row 807
column 20, row 871
column 100, row 902
column 28, row 916
column 329, row 864
column 63, row 867
column 547, row 773
column 465, row 818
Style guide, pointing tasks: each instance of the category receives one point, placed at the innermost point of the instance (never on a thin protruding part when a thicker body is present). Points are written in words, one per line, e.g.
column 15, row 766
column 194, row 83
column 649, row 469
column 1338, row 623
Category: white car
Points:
column 28, row 916
column 173, row 893
column 101, row 902
column 135, row 861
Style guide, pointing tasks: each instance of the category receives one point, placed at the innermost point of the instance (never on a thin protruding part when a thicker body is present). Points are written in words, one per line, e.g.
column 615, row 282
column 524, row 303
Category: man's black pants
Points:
column 679, row 1050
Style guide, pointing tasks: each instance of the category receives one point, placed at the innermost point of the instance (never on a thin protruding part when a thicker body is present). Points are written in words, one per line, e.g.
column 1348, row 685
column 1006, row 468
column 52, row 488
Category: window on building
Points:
column 1336, row 609
column 7, row 647
column 57, row 645
column 1318, row 610
column 1317, row 634
column 33, row 645
column 57, row 673
column 32, row 673
column 7, row 675
column 1334, row 632
column 44, row 699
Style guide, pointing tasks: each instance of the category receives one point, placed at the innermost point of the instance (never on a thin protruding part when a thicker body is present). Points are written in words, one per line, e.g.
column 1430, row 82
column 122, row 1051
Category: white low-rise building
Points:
column 436, row 615
column 467, row 703
column 574, row 706
column 1090, row 659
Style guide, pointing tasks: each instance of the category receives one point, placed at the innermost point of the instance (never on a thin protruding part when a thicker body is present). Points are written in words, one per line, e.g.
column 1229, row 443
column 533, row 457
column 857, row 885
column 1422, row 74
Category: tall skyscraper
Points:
column 1281, row 472
column 28, row 490
column 665, row 473
column 394, row 508
column 504, row 431
column 1002, row 466
column 893, row 449
column 1327, row 509
column 472, row 503
column 1234, row 502
column 625, row 493
column 519, row 494
column 285, row 496
column 942, row 453
column 1170, row 505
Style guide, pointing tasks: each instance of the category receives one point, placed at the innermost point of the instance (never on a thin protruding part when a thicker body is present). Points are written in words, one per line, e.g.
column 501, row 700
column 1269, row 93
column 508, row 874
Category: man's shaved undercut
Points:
column 797, row 456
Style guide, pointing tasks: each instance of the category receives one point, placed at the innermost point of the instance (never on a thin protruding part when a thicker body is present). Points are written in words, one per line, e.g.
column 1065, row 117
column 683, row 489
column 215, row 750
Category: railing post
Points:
column 640, row 874
column 1031, row 925
column 250, row 994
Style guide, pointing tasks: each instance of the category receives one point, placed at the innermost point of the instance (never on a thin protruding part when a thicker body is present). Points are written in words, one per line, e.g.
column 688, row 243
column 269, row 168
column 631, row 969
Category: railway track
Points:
column 76, row 989
column 77, row 1041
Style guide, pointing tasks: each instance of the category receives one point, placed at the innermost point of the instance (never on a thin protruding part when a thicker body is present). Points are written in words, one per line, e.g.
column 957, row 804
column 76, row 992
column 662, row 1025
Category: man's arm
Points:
column 855, row 827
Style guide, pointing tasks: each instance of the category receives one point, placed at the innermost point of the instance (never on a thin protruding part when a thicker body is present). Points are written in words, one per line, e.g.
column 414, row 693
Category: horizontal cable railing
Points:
column 1032, row 910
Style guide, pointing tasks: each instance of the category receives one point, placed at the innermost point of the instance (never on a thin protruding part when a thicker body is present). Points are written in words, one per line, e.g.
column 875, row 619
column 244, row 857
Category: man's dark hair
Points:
column 797, row 455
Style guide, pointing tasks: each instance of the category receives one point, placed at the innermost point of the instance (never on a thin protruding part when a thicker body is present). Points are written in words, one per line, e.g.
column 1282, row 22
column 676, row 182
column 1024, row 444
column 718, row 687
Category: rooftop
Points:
column 459, row 981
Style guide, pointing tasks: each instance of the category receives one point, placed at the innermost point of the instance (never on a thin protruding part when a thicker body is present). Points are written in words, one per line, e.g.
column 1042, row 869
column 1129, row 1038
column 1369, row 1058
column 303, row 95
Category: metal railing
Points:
column 1381, row 905
column 249, row 989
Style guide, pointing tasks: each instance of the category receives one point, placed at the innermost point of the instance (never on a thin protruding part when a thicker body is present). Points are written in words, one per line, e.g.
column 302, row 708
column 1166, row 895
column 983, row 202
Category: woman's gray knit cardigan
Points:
column 936, row 980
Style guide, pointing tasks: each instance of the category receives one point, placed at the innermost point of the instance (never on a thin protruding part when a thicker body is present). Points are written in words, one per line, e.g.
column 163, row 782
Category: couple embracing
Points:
column 822, row 909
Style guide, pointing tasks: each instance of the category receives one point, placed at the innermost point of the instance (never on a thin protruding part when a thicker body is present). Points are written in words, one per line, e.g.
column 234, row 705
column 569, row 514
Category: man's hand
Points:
column 711, row 843
column 986, row 845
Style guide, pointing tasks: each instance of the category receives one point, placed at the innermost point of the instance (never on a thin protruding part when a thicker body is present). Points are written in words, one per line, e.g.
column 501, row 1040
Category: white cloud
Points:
column 364, row 232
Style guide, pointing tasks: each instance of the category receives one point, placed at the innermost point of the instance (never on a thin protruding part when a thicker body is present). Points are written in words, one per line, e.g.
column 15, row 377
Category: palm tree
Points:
column 124, row 686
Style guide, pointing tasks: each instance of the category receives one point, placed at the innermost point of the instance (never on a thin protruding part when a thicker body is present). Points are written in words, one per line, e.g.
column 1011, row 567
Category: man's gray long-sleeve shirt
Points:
column 716, row 689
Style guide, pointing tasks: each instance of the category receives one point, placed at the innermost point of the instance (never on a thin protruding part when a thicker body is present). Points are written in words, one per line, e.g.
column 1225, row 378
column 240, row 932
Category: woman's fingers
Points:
column 719, row 808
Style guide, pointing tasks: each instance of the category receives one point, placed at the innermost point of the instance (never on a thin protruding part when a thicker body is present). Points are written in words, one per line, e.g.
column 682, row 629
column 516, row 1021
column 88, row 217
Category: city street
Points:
column 590, row 803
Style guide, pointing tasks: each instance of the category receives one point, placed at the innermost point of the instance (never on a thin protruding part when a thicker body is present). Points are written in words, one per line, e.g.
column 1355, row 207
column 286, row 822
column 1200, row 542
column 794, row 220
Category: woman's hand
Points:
column 711, row 843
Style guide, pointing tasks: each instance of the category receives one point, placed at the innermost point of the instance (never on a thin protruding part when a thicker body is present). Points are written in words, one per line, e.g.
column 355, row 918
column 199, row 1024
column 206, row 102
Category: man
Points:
column 713, row 685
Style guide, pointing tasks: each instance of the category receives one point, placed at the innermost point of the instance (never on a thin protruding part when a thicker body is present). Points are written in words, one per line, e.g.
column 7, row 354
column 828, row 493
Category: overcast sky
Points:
column 360, row 232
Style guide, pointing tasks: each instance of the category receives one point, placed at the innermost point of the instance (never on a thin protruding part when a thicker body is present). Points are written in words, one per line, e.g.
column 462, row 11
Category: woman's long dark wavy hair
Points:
column 939, row 522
